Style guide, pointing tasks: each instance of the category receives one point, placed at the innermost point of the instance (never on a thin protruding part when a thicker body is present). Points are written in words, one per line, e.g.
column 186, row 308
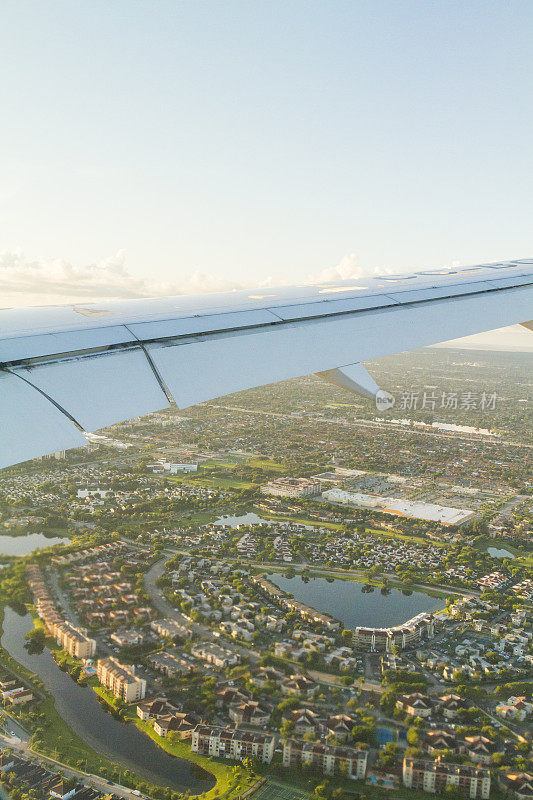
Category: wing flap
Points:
column 101, row 390
column 30, row 425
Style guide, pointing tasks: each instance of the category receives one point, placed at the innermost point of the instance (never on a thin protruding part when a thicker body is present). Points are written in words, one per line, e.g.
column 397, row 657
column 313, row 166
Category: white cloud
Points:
column 26, row 282
column 52, row 281
column 348, row 268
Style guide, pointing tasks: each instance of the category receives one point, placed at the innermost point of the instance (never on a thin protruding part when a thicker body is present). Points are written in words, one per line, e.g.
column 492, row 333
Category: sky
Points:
column 162, row 147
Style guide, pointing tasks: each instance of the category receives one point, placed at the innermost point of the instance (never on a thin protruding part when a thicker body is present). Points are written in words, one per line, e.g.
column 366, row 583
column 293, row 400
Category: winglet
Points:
column 353, row 377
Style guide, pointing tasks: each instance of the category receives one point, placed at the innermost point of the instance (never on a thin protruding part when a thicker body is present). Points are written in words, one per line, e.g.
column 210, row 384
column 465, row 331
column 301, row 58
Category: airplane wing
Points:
column 69, row 369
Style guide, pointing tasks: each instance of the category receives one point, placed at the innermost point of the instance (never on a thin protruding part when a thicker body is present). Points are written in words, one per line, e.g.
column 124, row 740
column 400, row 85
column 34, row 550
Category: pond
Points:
column 347, row 601
column 23, row 545
column 79, row 707
column 498, row 552
column 252, row 519
column 243, row 519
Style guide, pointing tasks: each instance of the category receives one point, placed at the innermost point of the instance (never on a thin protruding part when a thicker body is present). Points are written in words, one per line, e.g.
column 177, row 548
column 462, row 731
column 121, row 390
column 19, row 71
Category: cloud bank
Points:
column 41, row 282
column 26, row 282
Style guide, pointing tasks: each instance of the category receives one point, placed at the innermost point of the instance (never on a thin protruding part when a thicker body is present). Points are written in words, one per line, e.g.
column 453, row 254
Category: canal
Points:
column 79, row 707
column 347, row 601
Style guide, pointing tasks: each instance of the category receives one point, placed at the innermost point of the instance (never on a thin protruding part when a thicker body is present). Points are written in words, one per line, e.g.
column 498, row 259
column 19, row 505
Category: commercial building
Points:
column 436, row 776
column 292, row 487
column 232, row 744
column 120, row 679
column 445, row 515
column 329, row 759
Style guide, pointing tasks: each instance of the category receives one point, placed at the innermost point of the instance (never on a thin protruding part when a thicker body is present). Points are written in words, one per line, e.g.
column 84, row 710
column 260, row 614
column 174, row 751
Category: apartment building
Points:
column 330, row 759
column 74, row 640
column 436, row 776
column 169, row 628
column 170, row 663
column 232, row 744
column 216, row 655
column 385, row 639
column 120, row 679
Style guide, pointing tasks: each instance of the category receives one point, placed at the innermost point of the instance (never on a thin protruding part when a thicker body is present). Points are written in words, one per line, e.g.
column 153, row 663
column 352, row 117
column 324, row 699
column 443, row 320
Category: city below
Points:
column 284, row 594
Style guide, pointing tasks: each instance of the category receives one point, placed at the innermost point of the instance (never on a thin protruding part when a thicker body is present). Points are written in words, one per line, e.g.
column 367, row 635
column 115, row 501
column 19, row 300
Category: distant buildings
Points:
column 120, row 679
column 70, row 637
column 495, row 580
column 516, row 708
column 170, row 663
column 292, row 487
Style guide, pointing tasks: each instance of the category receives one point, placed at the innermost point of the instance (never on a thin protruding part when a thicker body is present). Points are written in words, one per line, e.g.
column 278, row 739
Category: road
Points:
column 161, row 603
column 88, row 779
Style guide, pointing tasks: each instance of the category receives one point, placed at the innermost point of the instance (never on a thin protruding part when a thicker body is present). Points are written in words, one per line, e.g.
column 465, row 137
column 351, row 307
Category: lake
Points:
column 346, row 601
column 253, row 519
column 23, row 545
column 79, row 707
column 498, row 552
column 243, row 519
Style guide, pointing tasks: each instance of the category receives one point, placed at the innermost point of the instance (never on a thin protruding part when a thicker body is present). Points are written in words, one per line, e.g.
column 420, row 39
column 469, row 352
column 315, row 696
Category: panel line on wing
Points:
column 157, row 376
column 47, row 396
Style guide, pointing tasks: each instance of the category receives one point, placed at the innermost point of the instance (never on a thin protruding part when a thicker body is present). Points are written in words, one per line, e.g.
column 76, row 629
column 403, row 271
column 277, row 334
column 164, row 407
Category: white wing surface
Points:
column 69, row 369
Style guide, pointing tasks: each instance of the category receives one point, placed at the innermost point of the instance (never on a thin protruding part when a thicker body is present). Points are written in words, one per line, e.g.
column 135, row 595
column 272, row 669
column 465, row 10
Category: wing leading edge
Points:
column 66, row 370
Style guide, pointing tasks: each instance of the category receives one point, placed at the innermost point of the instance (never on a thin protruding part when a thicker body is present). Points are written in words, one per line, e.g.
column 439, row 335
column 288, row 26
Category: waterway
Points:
column 23, row 545
column 347, row 601
column 79, row 707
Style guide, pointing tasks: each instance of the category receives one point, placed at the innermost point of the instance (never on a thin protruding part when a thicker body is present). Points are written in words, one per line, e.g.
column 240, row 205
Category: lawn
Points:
column 266, row 464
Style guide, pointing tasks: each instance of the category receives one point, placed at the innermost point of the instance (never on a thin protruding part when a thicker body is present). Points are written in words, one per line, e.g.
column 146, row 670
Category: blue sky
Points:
column 255, row 139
